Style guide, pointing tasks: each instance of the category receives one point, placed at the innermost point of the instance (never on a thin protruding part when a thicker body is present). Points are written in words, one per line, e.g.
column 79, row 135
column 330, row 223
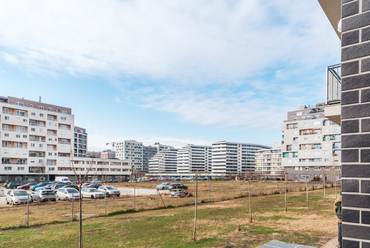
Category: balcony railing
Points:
column 333, row 84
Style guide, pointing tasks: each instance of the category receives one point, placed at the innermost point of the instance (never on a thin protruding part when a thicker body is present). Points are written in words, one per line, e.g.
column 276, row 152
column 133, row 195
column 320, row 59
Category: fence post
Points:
column 105, row 199
column 209, row 193
column 222, row 196
column 134, row 200
column 72, row 207
column 28, row 210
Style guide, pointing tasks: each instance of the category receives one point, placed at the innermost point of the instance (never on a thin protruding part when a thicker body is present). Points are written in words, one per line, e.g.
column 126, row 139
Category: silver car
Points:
column 44, row 195
column 67, row 194
column 91, row 193
column 163, row 186
column 18, row 196
column 110, row 190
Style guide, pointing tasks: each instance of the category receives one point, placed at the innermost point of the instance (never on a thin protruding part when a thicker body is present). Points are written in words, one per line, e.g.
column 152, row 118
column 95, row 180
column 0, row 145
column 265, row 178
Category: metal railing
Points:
column 333, row 84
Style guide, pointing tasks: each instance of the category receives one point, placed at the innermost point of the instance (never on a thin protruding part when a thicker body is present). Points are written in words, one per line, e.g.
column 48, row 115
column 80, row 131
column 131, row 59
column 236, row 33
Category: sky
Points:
column 169, row 71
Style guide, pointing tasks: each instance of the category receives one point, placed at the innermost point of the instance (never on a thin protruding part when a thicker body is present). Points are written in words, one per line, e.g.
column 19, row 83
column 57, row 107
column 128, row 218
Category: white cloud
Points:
column 11, row 59
column 165, row 38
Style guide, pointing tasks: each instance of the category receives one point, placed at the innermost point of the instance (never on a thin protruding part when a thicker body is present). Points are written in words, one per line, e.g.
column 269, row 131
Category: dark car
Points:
column 56, row 186
column 13, row 185
column 177, row 186
column 94, row 185
column 26, row 186
column 71, row 186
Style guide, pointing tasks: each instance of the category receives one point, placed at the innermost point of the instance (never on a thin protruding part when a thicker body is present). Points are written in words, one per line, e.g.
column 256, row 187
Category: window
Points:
column 63, row 118
column 17, row 136
column 32, row 145
column 21, row 168
column 6, row 135
column 6, row 118
column 24, row 120
column 33, row 129
column 41, row 115
column 50, row 109
column 64, row 112
column 50, row 154
column 8, row 168
column 41, row 107
column 51, row 168
column 41, row 130
column 41, row 145
column 33, row 113
column 304, row 176
column 19, row 103
column 306, row 168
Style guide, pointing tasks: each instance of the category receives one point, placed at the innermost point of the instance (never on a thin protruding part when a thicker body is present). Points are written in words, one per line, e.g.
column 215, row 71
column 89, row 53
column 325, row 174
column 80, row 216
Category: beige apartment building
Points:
column 268, row 162
column 311, row 147
column 38, row 140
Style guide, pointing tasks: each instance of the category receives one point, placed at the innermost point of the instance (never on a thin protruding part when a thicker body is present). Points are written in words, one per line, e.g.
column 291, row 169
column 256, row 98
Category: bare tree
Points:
column 81, row 178
column 249, row 176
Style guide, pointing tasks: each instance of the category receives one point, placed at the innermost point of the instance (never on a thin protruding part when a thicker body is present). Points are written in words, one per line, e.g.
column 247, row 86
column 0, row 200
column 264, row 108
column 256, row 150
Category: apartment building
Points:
column 233, row 158
column 108, row 154
column 311, row 147
column 150, row 151
column 192, row 159
column 80, row 142
column 132, row 150
column 164, row 161
column 37, row 139
column 268, row 162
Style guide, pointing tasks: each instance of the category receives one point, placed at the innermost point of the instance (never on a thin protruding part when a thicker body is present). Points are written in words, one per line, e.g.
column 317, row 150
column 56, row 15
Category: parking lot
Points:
column 124, row 192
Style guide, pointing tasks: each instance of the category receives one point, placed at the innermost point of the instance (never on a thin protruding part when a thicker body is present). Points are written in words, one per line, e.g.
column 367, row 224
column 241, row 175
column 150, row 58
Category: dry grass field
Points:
column 217, row 223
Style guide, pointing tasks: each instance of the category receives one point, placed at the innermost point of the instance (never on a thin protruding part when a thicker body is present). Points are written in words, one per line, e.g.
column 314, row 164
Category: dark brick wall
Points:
column 356, row 122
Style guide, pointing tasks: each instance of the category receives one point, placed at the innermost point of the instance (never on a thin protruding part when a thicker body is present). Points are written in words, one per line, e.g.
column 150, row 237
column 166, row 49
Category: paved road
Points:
column 124, row 191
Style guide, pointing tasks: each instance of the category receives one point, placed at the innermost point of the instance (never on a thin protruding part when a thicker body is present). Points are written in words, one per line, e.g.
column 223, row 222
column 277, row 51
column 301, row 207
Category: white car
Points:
column 19, row 196
column 109, row 190
column 2, row 192
column 91, row 193
column 67, row 194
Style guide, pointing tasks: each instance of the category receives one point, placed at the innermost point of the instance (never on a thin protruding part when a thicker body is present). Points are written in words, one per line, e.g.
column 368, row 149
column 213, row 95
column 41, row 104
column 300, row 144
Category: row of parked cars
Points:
column 52, row 191
column 171, row 186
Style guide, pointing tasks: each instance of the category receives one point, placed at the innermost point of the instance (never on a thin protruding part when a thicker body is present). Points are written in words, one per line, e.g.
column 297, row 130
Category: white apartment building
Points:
column 37, row 139
column 80, row 142
column 191, row 159
column 231, row 158
column 164, row 161
column 268, row 162
column 150, row 151
column 132, row 150
column 311, row 145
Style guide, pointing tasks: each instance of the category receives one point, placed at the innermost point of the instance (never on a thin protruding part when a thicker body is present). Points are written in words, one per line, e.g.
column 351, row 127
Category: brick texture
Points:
column 365, row 125
column 350, row 155
column 355, row 82
column 365, row 186
column 365, row 65
column 360, row 140
column 350, row 68
column 357, row 21
column 350, row 9
column 365, row 217
column 350, row 185
column 350, row 38
column 356, row 51
column 365, row 5
column 359, row 201
column 349, row 215
column 356, row 170
column 365, row 155
column 355, row 111
column 350, row 97
column 351, row 126
column 365, row 35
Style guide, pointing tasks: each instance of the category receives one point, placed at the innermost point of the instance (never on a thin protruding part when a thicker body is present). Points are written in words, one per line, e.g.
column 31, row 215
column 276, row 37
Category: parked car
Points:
column 85, row 185
column 94, row 180
column 177, row 179
column 109, row 190
column 153, row 179
column 34, row 187
column 163, row 186
column 26, row 186
column 4, row 184
column 2, row 192
column 67, row 194
column 57, row 186
column 43, row 195
column 72, row 186
column 63, row 179
column 91, row 193
column 94, row 185
column 17, row 196
column 13, row 185
column 177, row 186
column 115, row 181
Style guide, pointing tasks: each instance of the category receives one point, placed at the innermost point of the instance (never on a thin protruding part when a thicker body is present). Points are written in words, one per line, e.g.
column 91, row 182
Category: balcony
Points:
column 333, row 93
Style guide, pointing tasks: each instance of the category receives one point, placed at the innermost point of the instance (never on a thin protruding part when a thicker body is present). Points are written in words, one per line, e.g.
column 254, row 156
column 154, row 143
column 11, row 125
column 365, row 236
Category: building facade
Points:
column 80, row 142
column 37, row 139
column 108, row 154
column 164, row 161
column 268, row 162
column 192, row 159
column 231, row 158
column 150, row 151
column 132, row 150
column 311, row 147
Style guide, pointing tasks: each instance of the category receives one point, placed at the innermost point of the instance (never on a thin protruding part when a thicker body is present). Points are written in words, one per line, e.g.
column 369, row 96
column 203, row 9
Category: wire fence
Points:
column 63, row 211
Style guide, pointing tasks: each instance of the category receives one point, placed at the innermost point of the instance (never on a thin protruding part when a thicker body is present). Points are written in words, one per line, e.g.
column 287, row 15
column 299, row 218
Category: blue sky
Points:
column 172, row 71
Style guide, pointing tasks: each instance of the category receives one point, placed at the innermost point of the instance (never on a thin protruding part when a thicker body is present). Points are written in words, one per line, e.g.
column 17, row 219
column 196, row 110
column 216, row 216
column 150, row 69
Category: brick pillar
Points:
column 356, row 123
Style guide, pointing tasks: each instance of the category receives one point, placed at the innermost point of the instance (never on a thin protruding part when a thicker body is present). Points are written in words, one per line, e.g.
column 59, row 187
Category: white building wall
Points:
column 191, row 159
column 132, row 150
column 268, row 162
column 164, row 162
